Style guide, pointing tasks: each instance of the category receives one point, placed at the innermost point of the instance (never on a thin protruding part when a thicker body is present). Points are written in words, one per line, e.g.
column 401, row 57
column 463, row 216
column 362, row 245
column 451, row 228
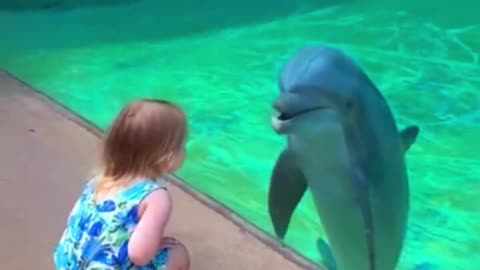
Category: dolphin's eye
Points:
column 349, row 104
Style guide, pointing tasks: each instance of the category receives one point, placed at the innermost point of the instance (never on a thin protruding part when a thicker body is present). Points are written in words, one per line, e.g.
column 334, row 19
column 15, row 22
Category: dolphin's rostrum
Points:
column 343, row 144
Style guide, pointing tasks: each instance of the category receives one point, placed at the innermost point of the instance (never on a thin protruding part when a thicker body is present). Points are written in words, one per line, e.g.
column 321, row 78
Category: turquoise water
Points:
column 220, row 61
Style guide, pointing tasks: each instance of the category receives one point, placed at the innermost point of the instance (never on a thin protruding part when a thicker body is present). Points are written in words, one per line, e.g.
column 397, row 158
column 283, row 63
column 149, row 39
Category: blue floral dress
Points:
column 97, row 234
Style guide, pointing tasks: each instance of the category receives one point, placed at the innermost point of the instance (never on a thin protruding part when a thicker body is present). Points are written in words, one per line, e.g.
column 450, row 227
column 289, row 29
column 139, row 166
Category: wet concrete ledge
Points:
column 251, row 248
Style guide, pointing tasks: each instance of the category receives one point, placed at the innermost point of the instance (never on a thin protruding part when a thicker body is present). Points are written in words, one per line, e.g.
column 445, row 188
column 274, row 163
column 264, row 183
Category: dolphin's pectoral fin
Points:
column 287, row 186
column 409, row 136
column 327, row 256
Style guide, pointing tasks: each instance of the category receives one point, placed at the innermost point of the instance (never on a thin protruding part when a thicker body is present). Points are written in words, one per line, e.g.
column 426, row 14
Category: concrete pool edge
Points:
column 244, row 225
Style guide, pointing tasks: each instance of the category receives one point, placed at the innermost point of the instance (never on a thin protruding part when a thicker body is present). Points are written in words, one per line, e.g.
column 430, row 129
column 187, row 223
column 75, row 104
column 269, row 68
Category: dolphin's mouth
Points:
column 283, row 121
column 284, row 116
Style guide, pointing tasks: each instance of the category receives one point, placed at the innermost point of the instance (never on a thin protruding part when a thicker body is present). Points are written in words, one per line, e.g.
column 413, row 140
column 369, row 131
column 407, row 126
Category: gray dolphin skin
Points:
column 343, row 144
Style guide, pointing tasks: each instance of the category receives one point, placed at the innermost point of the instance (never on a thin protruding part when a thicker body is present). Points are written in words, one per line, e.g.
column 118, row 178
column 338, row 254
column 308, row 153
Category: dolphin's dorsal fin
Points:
column 287, row 186
column 409, row 136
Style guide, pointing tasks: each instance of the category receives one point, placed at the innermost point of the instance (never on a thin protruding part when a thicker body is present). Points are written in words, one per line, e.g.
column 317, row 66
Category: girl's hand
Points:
column 168, row 242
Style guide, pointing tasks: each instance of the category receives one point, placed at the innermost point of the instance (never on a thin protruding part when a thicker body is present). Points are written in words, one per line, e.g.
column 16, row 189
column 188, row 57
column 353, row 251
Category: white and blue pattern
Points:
column 96, row 237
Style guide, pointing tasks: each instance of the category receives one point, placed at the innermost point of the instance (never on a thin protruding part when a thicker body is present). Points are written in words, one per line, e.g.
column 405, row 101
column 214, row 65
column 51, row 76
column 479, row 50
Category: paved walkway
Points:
column 45, row 155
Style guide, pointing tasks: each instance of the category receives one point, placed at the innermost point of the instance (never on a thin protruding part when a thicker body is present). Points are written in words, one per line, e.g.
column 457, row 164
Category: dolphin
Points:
column 343, row 144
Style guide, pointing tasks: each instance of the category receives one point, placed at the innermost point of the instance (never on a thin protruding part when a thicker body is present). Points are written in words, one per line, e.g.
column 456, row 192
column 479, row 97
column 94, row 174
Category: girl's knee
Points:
column 179, row 258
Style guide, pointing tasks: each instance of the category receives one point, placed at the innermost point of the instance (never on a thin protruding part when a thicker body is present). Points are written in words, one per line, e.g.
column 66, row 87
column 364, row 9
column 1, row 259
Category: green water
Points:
column 423, row 56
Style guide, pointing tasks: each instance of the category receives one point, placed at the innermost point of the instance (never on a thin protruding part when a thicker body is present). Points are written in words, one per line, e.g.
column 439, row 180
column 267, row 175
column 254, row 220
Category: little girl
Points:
column 120, row 218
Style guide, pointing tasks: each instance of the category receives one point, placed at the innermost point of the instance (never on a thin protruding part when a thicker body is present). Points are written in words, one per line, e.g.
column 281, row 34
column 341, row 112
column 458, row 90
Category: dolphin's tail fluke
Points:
column 327, row 256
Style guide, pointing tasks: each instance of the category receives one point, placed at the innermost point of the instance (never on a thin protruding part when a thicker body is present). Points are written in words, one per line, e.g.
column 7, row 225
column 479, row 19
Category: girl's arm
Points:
column 145, row 241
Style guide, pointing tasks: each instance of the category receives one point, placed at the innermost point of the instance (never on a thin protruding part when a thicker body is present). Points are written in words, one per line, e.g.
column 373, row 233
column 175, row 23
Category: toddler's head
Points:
column 146, row 140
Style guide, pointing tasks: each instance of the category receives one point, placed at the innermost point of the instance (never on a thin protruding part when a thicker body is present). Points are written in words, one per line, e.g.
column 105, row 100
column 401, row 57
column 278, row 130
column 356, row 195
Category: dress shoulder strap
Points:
column 138, row 191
